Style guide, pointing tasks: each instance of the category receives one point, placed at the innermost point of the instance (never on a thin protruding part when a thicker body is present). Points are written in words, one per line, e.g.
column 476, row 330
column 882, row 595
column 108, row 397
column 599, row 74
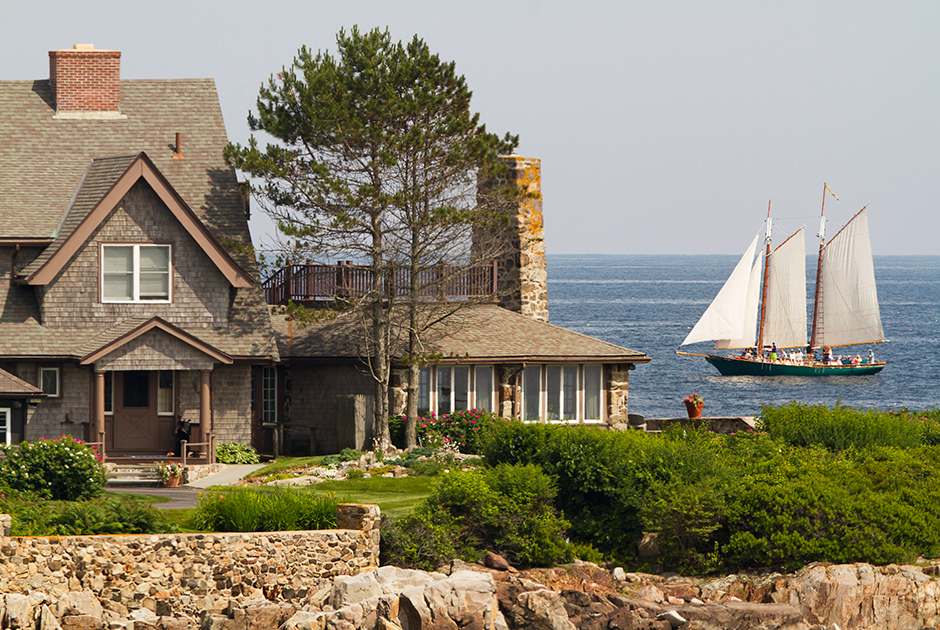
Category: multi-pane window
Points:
column 49, row 381
column 561, row 388
column 269, row 395
column 135, row 273
column 483, row 387
column 165, row 406
column 592, row 392
column 561, row 393
column 109, row 392
column 444, row 389
column 6, row 426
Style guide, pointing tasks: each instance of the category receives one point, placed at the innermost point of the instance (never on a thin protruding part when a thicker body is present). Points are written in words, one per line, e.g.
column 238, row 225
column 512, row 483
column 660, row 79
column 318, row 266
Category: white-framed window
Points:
column 483, row 387
column 562, row 393
column 165, row 390
column 447, row 388
column 269, row 394
column 6, row 425
column 135, row 273
column 109, row 393
column 49, row 381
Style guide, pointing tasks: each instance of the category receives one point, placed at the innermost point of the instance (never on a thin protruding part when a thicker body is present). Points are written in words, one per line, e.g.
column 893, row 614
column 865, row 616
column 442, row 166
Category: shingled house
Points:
column 501, row 356
column 122, row 314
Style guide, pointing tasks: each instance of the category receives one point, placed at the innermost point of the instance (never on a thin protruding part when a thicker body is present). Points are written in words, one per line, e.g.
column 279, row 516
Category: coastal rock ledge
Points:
column 473, row 597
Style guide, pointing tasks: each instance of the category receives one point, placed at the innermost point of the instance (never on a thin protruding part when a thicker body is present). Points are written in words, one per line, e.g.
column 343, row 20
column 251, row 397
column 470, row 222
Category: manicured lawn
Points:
column 395, row 496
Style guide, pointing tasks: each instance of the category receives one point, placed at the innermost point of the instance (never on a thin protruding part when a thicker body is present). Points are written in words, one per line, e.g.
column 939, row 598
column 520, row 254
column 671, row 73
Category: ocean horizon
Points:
column 649, row 302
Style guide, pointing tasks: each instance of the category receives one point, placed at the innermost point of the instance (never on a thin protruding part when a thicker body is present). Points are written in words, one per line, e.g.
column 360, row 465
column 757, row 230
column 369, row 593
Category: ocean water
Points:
column 649, row 303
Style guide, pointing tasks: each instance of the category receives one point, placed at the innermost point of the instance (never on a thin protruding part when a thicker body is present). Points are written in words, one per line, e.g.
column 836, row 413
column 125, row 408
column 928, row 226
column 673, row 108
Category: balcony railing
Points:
column 309, row 282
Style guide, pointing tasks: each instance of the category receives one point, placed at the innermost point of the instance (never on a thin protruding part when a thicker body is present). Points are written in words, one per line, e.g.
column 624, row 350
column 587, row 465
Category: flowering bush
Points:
column 694, row 399
column 169, row 470
column 61, row 469
column 464, row 429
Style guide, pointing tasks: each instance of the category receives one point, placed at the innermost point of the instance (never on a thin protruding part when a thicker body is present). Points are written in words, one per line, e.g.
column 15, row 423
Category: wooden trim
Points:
column 160, row 324
column 142, row 167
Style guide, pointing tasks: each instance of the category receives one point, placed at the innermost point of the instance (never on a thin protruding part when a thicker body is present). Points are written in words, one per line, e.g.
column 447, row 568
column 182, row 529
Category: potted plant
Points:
column 171, row 474
column 693, row 405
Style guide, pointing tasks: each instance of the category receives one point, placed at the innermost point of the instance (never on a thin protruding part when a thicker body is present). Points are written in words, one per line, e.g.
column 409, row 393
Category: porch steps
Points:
column 135, row 475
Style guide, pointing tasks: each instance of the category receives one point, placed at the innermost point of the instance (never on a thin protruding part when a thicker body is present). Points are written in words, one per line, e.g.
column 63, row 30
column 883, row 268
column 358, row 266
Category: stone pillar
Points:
column 522, row 278
column 508, row 388
column 618, row 386
column 398, row 400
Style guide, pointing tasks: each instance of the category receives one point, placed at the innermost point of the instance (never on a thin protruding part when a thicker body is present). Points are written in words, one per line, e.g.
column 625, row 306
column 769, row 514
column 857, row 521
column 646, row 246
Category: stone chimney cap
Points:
column 83, row 46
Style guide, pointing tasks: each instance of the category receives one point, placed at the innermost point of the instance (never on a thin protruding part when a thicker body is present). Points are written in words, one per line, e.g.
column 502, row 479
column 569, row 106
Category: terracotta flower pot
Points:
column 171, row 482
column 695, row 411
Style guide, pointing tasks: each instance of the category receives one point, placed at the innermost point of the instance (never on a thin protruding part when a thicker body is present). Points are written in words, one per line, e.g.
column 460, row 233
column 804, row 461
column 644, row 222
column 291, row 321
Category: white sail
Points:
column 725, row 317
column 750, row 313
column 848, row 300
column 785, row 310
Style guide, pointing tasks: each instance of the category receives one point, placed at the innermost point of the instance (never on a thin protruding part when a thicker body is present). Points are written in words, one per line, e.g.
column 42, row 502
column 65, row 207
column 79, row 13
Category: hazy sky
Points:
column 663, row 127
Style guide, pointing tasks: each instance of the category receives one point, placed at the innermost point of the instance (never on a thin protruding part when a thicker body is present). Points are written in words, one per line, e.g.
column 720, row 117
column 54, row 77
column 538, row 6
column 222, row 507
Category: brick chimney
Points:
column 86, row 81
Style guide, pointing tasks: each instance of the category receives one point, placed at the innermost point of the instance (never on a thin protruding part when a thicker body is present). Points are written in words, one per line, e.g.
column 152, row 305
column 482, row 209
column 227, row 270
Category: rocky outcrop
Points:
column 474, row 597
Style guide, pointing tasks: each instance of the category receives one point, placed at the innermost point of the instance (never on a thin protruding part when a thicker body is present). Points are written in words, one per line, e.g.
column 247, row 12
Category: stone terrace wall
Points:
column 188, row 572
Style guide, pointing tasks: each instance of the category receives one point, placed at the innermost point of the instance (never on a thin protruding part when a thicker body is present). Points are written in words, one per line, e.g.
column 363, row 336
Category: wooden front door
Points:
column 137, row 427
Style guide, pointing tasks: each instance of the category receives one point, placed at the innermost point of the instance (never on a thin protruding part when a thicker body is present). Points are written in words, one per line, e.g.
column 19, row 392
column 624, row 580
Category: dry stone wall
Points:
column 188, row 572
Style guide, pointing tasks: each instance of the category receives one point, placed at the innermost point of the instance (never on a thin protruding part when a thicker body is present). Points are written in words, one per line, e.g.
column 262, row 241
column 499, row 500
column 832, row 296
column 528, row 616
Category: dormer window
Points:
column 135, row 273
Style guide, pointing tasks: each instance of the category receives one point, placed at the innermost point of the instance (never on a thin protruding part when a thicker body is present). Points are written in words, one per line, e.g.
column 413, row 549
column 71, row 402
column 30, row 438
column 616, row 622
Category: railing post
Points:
column 183, row 447
column 101, row 439
column 494, row 287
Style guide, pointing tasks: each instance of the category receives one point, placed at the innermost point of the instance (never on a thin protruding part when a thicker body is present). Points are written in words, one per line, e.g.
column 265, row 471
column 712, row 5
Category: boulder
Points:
column 540, row 610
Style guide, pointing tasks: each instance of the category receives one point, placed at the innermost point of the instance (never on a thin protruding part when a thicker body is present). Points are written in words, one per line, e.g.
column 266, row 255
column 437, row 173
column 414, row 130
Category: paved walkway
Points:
column 185, row 497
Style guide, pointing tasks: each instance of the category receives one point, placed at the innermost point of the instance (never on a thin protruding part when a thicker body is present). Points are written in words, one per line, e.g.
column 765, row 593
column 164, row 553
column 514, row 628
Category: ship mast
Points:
column 822, row 243
column 763, row 299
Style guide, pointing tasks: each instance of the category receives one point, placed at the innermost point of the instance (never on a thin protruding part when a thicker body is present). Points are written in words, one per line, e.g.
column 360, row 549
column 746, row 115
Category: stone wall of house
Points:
column 313, row 401
column 187, row 572
column 522, row 276
column 618, row 391
column 201, row 294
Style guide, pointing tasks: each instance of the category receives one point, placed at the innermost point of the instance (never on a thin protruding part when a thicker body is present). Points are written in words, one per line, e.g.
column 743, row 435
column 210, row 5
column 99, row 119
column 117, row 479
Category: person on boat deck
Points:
column 871, row 355
column 773, row 355
column 857, row 360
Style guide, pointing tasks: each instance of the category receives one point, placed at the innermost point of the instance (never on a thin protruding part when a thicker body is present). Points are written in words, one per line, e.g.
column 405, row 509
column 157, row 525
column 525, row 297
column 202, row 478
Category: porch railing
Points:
column 308, row 282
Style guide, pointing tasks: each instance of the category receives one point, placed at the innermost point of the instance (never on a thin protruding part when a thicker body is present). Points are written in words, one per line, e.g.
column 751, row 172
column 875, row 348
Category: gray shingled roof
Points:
column 483, row 333
column 98, row 179
column 43, row 160
column 13, row 386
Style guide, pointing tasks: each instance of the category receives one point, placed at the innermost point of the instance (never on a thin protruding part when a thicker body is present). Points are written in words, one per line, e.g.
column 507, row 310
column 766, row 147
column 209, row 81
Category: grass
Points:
column 394, row 496
column 285, row 463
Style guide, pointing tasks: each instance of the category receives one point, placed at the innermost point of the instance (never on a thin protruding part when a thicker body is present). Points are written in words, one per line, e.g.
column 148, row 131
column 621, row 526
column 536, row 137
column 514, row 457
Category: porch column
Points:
column 99, row 410
column 205, row 412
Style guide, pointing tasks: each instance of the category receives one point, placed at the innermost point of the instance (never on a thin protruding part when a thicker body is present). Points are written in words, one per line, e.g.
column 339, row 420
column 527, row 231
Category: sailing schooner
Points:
column 750, row 311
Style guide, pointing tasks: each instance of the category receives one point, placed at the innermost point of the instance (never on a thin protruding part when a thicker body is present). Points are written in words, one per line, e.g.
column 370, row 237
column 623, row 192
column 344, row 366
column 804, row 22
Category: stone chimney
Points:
column 522, row 276
column 86, row 83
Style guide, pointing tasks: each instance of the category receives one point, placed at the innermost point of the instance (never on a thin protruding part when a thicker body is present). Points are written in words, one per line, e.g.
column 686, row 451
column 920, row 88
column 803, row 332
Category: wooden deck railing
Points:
column 308, row 282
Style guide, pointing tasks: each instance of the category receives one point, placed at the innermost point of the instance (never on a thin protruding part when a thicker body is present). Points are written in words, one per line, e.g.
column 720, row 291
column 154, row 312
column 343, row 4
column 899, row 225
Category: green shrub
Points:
column 34, row 516
column 355, row 473
column 507, row 510
column 60, row 469
column 842, row 427
column 349, row 454
column 396, row 430
column 331, row 461
column 235, row 453
column 249, row 510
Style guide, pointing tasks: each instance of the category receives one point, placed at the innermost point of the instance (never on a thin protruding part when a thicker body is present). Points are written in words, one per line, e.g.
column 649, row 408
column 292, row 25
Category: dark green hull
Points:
column 742, row 367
